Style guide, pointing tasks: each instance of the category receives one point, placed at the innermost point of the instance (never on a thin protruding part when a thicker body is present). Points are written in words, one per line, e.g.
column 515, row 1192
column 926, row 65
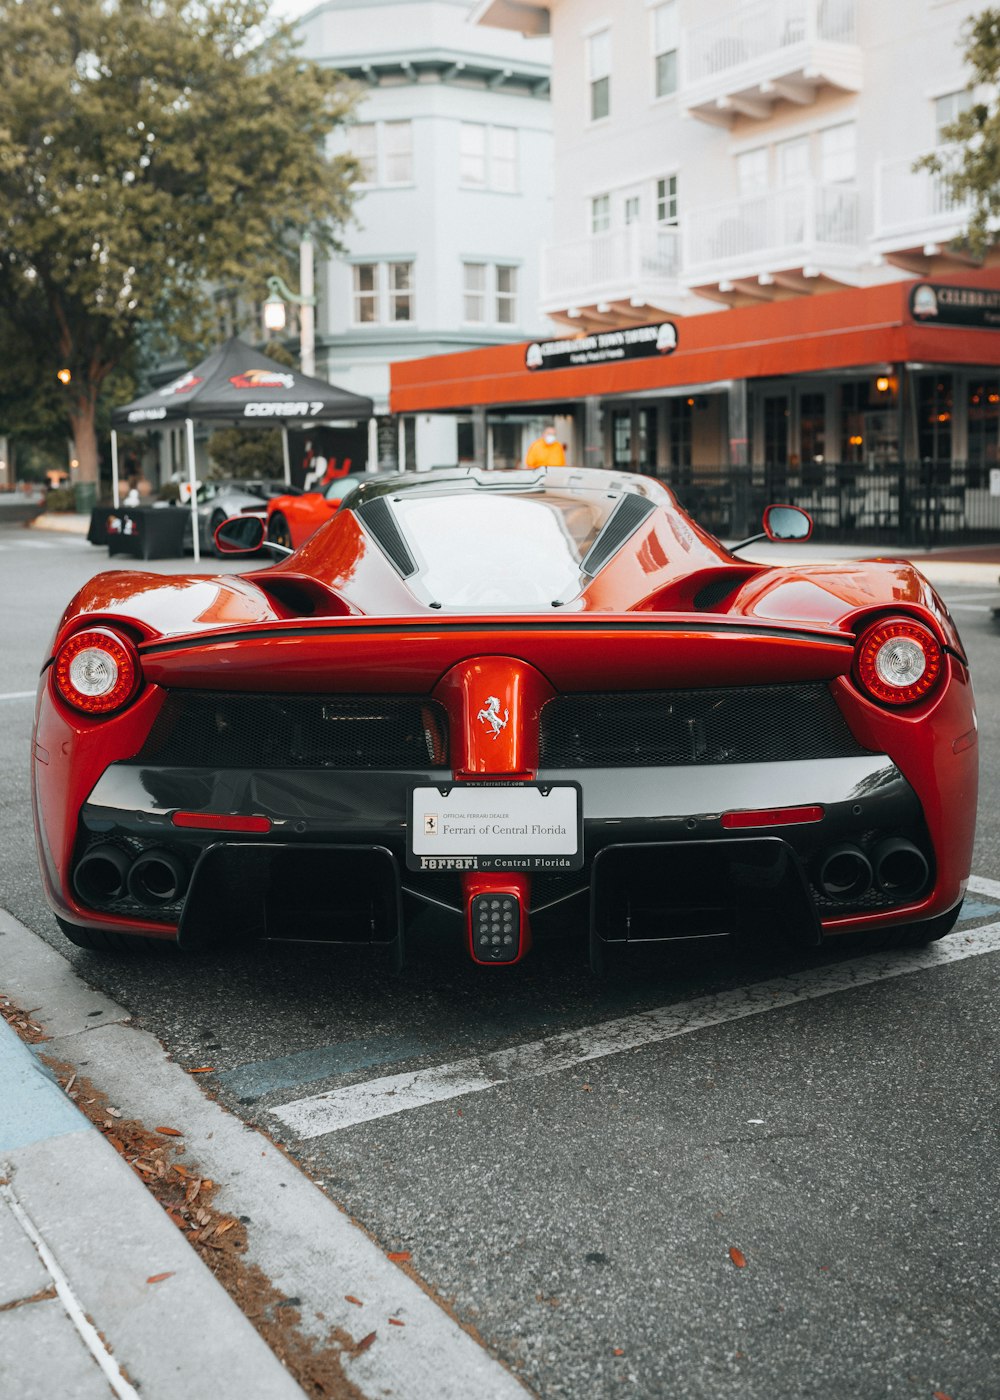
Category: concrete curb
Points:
column 62, row 524
column 300, row 1238
column 78, row 1222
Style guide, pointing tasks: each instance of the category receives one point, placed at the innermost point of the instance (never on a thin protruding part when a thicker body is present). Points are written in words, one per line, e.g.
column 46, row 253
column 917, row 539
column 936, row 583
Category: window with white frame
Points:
column 632, row 209
column 383, row 292
column 474, row 292
column 399, row 276
column 384, row 151
column 472, row 153
column 365, row 293
column 751, row 171
column 365, row 150
column 488, row 156
column 792, row 161
column 503, row 158
column 506, row 294
column 600, row 213
column 838, row 153
column 599, row 73
column 666, row 200
column 487, row 286
column 397, row 147
column 664, row 18
column 947, row 109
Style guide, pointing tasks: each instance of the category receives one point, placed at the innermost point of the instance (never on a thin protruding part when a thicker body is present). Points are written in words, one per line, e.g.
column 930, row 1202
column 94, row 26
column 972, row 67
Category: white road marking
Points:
column 395, row 1093
column 88, row 1333
column 979, row 885
column 969, row 607
column 19, row 695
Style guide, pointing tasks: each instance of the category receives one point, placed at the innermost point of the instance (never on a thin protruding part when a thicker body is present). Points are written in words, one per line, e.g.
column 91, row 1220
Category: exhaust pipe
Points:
column 900, row 867
column 101, row 875
column 845, row 873
column 157, row 877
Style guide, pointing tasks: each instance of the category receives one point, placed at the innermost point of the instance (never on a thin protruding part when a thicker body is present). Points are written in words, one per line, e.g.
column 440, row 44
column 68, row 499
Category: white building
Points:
column 453, row 131
column 716, row 152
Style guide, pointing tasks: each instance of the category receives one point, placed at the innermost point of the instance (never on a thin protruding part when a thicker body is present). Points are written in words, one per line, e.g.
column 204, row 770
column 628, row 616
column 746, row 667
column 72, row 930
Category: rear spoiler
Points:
column 577, row 652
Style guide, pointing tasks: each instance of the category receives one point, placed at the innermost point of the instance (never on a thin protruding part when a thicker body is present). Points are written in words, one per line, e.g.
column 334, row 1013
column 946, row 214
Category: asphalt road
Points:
column 579, row 1212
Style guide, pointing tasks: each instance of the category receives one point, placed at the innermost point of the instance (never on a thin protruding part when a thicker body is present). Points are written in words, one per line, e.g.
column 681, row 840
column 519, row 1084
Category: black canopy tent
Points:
column 235, row 384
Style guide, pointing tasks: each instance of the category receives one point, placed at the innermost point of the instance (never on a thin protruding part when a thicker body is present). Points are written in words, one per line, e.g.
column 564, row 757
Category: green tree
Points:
column 973, row 172
column 149, row 148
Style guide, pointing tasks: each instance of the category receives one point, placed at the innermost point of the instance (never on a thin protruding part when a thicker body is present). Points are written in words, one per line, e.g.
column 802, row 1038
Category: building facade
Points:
column 453, row 135
column 743, row 164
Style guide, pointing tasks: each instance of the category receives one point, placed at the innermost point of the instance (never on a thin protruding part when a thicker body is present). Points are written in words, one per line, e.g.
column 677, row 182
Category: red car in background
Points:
column 292, row 519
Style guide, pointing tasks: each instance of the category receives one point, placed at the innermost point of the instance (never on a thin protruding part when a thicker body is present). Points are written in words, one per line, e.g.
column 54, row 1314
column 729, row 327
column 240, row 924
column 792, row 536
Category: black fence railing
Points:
column 912, row 503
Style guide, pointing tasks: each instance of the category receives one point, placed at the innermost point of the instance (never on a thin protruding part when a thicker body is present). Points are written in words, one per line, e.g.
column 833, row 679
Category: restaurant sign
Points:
column 604, row 347
column 934, row 304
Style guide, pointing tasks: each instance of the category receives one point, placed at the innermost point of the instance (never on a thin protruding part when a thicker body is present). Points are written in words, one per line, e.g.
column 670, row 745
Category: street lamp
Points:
column 280, row 293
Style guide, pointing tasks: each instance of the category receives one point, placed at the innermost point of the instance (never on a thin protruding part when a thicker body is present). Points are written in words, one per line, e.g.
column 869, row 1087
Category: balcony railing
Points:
column 756, row 31
column 772, row 231
column 621, row 263
column 916, row 205
column 774, row 50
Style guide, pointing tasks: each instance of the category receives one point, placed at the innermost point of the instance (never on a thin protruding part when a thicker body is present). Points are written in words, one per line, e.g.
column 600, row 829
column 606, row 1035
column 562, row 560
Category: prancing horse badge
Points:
column 490, row 714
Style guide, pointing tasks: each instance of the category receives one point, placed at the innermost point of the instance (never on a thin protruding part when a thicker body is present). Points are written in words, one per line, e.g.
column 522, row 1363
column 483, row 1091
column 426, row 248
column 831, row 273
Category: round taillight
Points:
column 96, row 671
column 898, row 661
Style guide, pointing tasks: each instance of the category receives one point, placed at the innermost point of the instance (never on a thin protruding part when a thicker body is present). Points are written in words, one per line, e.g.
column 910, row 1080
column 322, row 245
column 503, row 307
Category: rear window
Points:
column 497, row 551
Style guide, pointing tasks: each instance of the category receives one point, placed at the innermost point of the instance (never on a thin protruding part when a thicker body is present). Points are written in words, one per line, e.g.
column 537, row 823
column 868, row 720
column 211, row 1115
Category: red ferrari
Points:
column 291, row 519
column 500, row 699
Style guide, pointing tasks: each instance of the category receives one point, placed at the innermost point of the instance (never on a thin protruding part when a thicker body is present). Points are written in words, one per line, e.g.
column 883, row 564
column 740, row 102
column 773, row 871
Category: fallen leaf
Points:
column 365, row 1343
column 191, row 1190
column 738, row 1257
column 181, row 1171
column 226, row 1225
column 396, row 1322
column 116, row 1143
column 350, row 1298
column 115, row 1112
column 158, row 1278
column 70, row 1081
column 172, row 1215
column 940, row 1395
column 400, row 1256
column 169, row 1132
column 587, row 1088
column 619, row 1351
column 202, row 1069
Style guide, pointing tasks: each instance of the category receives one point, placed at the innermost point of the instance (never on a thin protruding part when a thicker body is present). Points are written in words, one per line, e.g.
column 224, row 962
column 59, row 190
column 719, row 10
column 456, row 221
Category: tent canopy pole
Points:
column 284, row 454
column 114, row 467
column 189, row 425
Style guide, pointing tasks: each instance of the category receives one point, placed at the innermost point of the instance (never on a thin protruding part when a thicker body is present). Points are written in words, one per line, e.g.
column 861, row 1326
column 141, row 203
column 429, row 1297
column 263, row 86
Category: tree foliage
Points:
column 147, row 149
column 973, row 173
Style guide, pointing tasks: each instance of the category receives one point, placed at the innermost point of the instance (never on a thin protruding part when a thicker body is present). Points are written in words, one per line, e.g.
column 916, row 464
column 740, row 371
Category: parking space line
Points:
column 19, row 695
column 337, row 1109
column 979, row 885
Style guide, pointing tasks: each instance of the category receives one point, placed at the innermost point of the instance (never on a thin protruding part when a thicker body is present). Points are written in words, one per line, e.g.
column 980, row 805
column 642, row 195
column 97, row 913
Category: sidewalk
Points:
column 99, row 1292
column 974, row 564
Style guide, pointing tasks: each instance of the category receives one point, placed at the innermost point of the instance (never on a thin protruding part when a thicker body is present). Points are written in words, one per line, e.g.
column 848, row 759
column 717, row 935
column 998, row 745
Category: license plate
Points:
column 495, row 827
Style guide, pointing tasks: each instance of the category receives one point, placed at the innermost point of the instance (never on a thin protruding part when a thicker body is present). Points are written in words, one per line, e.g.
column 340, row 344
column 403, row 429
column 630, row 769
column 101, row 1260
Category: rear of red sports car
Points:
column 503, row 699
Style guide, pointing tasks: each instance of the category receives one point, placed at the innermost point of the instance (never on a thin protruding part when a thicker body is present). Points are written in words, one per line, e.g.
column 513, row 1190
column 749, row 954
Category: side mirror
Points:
column 787, row 523
column 240, row 534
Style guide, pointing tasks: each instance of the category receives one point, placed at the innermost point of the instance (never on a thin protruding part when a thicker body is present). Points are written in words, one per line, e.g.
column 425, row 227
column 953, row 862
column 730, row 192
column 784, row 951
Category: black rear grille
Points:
column 751, row 724
column 222, row 729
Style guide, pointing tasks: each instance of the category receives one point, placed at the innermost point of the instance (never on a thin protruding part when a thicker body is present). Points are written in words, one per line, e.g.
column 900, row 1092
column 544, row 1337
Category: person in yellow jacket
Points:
column 546, row 451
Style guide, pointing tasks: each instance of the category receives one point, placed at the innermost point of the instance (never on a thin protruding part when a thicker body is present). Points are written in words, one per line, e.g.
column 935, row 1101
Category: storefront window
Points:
column 869, row 422
column 812, row 427
column 621, row 446
column 679, row 413
column 984, row 425
column 934, row 415
column 647, row 440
